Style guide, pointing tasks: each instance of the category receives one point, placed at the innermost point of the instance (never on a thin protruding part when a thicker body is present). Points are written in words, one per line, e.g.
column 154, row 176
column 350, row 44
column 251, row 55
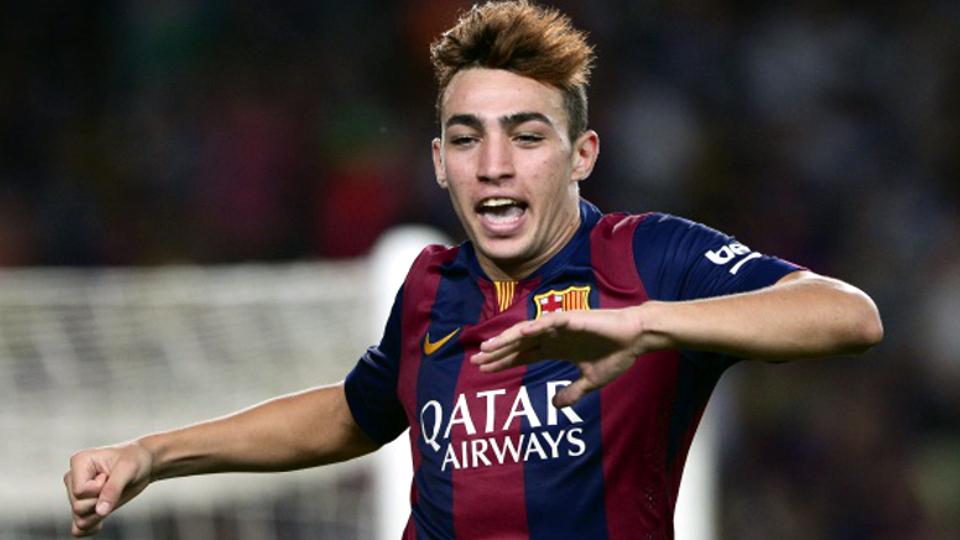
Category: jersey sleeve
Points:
column 679, row 259
column 371, row 387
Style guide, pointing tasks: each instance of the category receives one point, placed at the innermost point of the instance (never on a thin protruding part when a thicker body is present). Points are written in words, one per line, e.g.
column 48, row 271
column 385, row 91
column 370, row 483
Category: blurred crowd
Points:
column 142, row 133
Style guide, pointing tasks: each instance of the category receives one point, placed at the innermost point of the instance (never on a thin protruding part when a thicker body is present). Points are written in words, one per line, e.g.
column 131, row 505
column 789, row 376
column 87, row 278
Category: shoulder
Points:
column 647, row 222
column 433, row 261
column 659, row 222
column 660, row 230
column 433, row 257
column 651, row 227
column 647, row 227
column 618, row 225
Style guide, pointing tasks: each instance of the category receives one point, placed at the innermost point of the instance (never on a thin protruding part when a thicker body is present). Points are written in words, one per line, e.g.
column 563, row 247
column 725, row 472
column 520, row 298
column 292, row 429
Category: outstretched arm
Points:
column 309, row 428
column 803, row 315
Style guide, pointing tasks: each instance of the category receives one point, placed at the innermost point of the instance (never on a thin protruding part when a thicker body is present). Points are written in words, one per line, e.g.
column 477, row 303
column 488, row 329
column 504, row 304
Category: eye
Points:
column 528, row 139
column 462, row 140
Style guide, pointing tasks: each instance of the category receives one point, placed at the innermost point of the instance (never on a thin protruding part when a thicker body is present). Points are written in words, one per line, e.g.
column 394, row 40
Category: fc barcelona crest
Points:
column 570, row 299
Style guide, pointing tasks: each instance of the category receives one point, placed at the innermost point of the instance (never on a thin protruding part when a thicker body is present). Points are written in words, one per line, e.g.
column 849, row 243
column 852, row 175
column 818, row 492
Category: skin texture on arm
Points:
column 310, row 428
column 803, row 315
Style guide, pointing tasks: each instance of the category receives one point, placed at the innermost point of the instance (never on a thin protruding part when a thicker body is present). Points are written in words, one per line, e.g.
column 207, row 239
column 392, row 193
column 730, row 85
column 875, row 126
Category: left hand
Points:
column 602, row 343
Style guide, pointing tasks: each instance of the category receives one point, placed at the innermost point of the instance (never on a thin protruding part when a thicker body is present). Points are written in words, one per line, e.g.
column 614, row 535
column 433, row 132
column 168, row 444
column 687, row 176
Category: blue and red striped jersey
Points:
column 492, row 458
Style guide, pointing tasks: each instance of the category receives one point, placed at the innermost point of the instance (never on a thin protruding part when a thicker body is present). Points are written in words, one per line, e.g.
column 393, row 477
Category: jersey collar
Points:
column 589, row 215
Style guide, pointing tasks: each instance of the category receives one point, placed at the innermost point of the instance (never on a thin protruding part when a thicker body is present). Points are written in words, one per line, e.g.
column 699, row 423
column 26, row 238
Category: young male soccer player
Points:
column 552, row 369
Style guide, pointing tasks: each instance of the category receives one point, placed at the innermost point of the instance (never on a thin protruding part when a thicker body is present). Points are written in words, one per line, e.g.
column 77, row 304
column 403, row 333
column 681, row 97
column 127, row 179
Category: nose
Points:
column 496, row 160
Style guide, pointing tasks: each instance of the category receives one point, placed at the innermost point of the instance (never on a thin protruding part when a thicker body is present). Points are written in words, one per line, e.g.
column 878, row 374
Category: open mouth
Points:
column 501, row 210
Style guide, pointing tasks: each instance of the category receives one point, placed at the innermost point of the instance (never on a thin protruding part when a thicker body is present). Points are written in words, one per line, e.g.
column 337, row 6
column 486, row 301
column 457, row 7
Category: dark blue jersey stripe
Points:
column 371, row 386
column 678, row 259
column 564, row 490
column 458, row 301
column 564, row 484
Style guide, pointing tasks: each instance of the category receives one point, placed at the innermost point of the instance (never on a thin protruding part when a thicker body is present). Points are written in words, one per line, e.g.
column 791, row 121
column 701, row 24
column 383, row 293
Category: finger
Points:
column 505, row 338
column 522, row 342
column 503, row 352
column 86, row 477
column 547, row 325
column 88, row 488
column 534, row 353
column 112, row 490
column 85, row 518
column 83, row 507
column 526, row 332
column 88, row 524
column 68, row 483
column 500, row 364
column 92, row 487
column 79, row 506
column 484, row 357
column 539, row 345
column 501, row 340
column 573, row 392
column 77, row 532
column 494, row 353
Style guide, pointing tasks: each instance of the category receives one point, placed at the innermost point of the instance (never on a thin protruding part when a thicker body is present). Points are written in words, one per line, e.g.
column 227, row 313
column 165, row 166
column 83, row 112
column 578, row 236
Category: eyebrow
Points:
column 469, row 120
column 522, row 117
column 509, row 121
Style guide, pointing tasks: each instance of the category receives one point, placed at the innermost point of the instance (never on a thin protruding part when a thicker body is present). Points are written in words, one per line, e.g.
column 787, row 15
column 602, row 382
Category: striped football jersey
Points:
column 492, row 457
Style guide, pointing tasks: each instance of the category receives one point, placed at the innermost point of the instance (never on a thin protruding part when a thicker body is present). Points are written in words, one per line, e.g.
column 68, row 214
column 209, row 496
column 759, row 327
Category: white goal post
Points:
column 95, row 356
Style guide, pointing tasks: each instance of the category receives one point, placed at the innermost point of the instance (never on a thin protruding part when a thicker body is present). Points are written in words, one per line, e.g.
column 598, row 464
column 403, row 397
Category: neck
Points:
column 516, row 270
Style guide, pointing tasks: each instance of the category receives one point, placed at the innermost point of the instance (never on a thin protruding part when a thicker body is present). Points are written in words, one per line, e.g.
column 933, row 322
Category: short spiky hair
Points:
column 526, row 39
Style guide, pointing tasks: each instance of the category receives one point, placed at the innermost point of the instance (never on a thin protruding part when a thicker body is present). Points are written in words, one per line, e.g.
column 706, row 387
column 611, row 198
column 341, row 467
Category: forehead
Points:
column 495, row 93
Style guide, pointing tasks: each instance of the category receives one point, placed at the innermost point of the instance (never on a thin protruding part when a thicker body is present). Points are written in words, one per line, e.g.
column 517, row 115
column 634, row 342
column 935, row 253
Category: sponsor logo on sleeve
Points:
column 729, row 253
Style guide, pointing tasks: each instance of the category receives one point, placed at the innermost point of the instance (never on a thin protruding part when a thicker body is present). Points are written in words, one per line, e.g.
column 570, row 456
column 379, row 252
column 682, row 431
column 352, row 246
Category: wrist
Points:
column 149, row 447
column 651, row 333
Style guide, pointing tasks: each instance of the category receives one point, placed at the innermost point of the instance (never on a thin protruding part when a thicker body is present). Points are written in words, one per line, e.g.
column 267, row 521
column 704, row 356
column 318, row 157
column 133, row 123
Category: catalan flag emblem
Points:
column 506, row 290
column 570, row 299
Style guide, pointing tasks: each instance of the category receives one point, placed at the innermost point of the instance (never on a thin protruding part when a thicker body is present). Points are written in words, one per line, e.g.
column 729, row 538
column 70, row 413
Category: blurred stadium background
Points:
column 189, row 191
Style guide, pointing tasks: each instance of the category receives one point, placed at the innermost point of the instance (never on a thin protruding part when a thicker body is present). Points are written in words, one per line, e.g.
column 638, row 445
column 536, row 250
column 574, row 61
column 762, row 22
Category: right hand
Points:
column 602, row 343
column 100, row 480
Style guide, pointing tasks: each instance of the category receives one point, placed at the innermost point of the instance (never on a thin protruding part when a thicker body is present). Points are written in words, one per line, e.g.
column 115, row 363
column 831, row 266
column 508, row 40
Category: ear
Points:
column 437, row 149
column 585, row 151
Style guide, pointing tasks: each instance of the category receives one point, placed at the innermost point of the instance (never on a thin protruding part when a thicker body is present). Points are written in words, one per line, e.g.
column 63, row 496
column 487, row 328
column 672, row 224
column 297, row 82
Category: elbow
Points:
column 872, row 331
column 869, row 334
column 856, row 323
column 867, row 331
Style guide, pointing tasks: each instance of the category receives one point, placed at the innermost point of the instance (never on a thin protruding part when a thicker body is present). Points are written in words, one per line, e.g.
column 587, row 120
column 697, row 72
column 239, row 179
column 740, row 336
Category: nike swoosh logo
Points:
column 430, row 348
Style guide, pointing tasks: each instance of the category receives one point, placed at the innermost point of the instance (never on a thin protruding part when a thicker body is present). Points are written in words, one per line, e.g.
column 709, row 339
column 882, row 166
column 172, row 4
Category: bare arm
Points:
column 309, row 428
column 300, row 430
column 802, row 315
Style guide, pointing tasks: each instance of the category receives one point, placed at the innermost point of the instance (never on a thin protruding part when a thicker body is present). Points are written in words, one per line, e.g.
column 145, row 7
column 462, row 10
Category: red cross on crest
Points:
column 551, row 303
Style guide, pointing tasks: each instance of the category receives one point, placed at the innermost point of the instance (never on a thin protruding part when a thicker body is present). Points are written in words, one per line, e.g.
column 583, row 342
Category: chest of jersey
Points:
column 473, row 420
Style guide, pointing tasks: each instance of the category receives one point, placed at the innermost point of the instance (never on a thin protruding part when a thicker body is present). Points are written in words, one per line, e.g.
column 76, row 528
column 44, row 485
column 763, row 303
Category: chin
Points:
column 504, row 253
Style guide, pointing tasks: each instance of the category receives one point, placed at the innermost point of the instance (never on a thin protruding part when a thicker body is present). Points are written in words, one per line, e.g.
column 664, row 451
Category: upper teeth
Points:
column 499, row 202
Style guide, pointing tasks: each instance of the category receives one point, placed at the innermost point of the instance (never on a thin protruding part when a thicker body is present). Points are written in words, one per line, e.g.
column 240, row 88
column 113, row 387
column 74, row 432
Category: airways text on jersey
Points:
column 548, row 433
